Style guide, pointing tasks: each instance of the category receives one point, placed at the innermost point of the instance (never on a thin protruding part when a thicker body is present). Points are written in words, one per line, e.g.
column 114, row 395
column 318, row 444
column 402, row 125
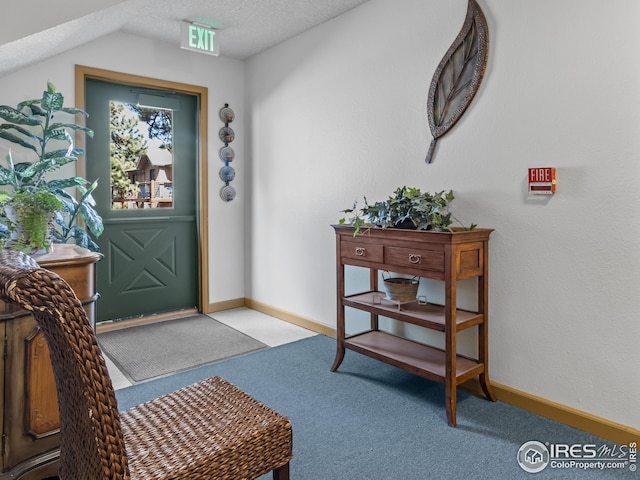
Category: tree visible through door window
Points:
column 141, row 156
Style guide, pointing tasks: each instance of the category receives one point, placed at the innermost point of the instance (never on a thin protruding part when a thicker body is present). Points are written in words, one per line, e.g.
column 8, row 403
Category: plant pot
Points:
column 32, row 232
column 406, row 224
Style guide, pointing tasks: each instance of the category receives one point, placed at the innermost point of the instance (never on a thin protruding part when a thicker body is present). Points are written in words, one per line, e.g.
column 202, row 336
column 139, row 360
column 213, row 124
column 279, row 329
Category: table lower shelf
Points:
column 414, row 357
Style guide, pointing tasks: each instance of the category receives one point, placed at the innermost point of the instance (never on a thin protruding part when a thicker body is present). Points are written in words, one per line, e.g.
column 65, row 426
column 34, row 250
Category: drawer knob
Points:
column 360, row 251
column 413, row 258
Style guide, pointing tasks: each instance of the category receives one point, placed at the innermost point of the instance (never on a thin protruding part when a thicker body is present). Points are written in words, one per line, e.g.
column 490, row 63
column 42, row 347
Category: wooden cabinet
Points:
column 445, row 256
column 28, row 400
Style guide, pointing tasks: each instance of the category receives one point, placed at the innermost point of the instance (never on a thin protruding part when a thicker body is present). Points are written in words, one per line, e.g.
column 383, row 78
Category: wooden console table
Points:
column 28, row 399
column 444, row 256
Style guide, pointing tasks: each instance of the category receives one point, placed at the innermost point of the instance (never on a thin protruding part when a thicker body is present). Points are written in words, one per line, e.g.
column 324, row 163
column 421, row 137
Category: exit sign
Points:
column 542, row 180
column 198, row 38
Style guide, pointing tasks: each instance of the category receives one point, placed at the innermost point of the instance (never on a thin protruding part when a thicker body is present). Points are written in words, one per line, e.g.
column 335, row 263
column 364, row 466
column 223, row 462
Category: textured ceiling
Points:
column 246, row 26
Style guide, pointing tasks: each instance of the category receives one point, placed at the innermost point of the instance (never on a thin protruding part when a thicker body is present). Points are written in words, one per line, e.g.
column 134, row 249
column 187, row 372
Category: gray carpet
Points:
column 157, row 349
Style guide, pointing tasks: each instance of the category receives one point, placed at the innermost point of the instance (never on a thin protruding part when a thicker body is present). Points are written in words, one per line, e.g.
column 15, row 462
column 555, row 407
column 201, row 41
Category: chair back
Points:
column 91, row 441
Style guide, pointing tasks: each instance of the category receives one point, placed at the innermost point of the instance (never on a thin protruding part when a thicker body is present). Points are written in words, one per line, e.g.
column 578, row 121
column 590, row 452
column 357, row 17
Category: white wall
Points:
column 224, row 79
column 340, row 112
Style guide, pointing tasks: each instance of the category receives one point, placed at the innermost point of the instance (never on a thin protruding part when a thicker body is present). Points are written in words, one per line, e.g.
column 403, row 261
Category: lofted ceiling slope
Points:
column 246, row 26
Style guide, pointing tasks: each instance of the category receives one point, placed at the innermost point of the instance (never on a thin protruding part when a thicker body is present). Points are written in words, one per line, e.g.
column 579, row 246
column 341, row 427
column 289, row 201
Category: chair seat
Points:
column 177, row 435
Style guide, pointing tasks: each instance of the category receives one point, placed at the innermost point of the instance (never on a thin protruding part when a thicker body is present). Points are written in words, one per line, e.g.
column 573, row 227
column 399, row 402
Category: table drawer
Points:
column 369, row 252
column 416, row 258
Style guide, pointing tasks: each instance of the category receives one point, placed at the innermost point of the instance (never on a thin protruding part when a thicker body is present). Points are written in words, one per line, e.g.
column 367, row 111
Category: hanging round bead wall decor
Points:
column 227, row 154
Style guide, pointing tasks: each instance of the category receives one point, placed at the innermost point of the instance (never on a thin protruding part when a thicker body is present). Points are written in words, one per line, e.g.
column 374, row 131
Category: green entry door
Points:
column 144, row 153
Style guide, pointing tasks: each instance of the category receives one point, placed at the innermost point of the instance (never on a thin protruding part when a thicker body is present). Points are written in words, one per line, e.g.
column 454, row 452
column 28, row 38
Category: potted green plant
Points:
column 35, row 125
column 408, row 207
column 29, row 216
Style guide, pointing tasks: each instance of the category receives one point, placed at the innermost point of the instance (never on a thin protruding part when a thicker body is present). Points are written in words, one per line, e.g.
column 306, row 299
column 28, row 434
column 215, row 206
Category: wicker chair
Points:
column 208, row 430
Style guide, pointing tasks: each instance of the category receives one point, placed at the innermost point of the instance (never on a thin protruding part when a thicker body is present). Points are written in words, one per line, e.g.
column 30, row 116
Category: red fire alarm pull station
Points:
column 542, row 181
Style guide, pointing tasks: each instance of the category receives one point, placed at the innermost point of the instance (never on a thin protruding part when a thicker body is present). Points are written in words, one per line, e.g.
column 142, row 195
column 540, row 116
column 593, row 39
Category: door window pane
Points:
column 141, row 156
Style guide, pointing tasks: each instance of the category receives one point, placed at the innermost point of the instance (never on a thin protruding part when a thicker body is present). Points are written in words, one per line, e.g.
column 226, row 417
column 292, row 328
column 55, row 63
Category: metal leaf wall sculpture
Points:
column 458, row 75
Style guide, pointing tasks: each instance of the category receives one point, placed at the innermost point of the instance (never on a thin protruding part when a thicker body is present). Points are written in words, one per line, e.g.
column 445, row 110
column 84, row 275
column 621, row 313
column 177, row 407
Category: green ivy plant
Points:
column 408, row 207
column 38, row 125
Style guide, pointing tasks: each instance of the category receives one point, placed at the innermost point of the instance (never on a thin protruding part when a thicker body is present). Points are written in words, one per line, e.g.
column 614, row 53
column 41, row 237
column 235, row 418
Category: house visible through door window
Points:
column 141, row 156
